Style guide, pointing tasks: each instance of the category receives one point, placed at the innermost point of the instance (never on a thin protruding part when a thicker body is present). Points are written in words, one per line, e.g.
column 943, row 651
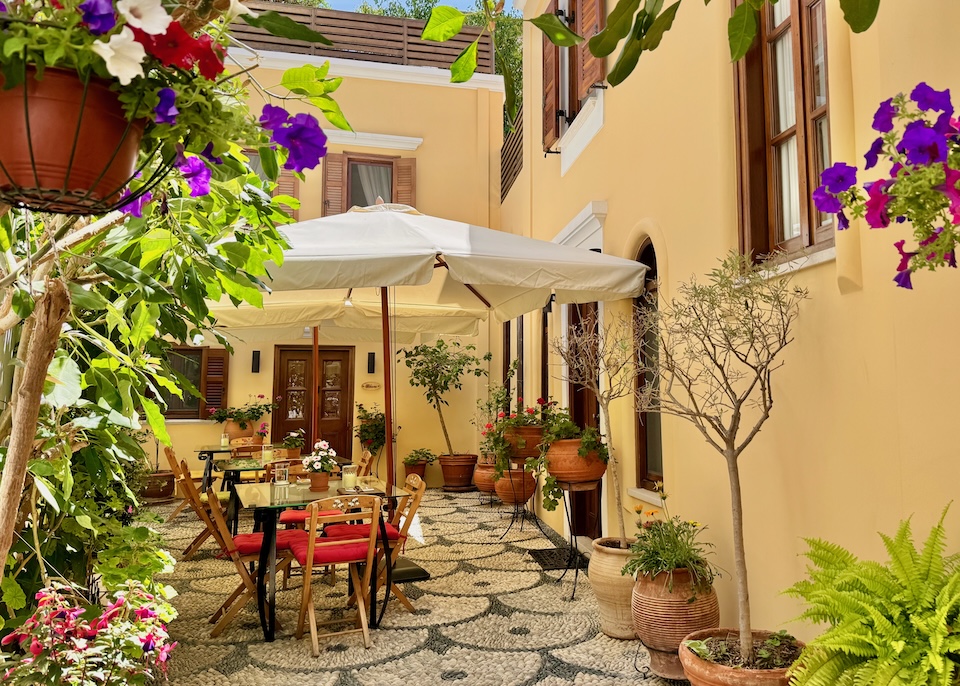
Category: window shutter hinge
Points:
column 550, row 152
column 600, row 85
column 567, row 18
column 562, row 114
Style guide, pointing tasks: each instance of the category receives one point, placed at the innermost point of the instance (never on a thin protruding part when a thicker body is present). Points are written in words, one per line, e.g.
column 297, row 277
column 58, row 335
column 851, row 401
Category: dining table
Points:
column 268, row 500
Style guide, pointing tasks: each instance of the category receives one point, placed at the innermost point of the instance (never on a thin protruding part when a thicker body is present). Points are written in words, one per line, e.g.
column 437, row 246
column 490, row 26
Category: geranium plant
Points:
column 559, row 427
column 918, row 137
column 295, row 439
column 66, row 642
column 371, row 428
column 263, row 430
column 322, row 459
column 250, row 412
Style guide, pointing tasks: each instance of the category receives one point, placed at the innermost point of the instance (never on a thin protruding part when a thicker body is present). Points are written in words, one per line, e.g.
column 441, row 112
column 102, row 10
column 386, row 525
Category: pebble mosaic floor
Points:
column 489, row 616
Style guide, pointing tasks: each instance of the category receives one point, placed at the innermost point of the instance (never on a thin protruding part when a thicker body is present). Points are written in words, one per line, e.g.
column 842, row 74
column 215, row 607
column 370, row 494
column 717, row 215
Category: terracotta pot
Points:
column 286, row 453
column 95, row 161
column 515, row 486
column 524, row 440
column 663, row 617
column 319, row 481
column 159, row 486
column 702, row 672
column 487, row 458
column 233, row 430
column 611, row 588
column 483, row 478
column 458, row 472
column 565, row 464
column 420, row 469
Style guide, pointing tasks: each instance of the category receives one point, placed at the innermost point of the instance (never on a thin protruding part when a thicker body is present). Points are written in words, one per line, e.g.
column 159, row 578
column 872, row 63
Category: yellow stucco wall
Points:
column 860, row 434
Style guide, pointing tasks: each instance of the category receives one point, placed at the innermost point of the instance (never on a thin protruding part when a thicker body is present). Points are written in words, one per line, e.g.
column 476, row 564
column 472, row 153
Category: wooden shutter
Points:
column 213, row 380
column 288, row 184
column 589, row 19
column 334, row 183
column 551, row 87
column 405, row 181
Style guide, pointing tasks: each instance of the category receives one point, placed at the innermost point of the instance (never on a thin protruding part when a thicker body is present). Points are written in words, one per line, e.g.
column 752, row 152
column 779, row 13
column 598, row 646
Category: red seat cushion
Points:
column 358, row 530
column 329, row 554
column 300, row 516
column 249, row 544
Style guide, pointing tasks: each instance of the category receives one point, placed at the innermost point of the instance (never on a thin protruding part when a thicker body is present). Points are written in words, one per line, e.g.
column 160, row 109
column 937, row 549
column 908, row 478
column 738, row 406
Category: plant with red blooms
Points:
column 919, row 138
column 66, row 642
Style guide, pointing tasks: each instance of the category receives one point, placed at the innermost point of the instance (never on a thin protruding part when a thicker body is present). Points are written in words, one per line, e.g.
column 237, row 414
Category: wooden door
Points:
column 299, row 394
column 584, row 411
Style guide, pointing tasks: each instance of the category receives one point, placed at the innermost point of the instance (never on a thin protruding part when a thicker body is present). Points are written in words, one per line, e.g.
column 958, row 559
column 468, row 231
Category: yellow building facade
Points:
column 860, row 435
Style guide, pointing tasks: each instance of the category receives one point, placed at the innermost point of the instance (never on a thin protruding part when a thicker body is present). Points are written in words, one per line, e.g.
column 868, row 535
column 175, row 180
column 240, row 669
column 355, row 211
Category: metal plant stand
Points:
column 574, row 555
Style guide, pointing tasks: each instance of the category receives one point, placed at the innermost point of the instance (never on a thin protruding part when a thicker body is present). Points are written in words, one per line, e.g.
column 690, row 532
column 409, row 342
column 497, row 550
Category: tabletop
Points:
column 213, row 449
column 296, row 494
column 241, row 464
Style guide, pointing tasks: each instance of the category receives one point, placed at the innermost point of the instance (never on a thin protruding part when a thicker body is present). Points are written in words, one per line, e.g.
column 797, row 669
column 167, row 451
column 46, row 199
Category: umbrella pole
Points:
column 387, row 383
column 315, row 364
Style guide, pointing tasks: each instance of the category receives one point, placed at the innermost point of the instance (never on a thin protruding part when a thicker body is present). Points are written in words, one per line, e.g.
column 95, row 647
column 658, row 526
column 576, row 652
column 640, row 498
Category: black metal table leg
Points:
column 267, row 573
column 207, row 471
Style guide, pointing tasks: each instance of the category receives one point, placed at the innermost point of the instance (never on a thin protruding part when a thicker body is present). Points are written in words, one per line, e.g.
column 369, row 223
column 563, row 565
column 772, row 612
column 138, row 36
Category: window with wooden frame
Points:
column 784, row 130
column 351, row 179
column 649, row 444
column 569, row 74
column 287, row 182
column 207, row 369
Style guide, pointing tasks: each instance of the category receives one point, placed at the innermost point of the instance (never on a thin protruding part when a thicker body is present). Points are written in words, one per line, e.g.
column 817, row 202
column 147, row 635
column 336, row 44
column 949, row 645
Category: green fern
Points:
column 894, row 624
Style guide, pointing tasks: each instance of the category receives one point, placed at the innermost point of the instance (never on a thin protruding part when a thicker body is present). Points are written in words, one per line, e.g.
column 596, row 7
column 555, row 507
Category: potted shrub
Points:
column 320, row 464
column 892, row 623
column 416, row 462
column 240, row 422
column 438, row 369
column 371, row 428
column 717, row 345
column 568, row 454
column 292, row 443
column 673, row 595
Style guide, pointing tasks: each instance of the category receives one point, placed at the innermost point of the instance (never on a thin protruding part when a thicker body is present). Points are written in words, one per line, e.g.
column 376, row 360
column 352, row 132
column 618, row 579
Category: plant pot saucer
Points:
column 460, row 489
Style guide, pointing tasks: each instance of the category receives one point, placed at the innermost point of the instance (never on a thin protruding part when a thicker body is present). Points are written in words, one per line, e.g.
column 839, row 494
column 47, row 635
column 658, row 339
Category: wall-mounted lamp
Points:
column 371, row 363
column 255, row 362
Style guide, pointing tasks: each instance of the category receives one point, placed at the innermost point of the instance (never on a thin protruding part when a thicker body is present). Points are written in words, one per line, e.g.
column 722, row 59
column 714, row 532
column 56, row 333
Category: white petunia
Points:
column 123, row 56
column 146, row 15
column 236, row 9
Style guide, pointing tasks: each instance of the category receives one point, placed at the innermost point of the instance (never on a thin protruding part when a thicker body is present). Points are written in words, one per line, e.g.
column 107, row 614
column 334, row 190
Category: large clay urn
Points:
column 565, row 464
column 458, row 472
column 700, row 672
column 524, row 440
column 665, row 610
column 611, row 588
column 516, row 486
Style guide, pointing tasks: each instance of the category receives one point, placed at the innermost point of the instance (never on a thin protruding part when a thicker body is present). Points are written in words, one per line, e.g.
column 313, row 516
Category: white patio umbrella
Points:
column 441, row 268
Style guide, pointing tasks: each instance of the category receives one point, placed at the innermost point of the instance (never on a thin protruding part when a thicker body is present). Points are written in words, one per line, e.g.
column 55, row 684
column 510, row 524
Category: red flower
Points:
column 541, row 401
column 519, row 401
column 501, row 415
column 177, row 48
column 513, row 415
column 209, row 56
column 530, row 410
column 488, row 426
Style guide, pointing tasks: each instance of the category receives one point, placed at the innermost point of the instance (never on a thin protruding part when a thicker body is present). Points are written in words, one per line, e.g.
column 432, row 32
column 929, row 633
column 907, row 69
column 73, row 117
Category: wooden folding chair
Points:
column 178, row 474
column 353, row 551
column 244, row 551
column 365, row 465
column 200, row 506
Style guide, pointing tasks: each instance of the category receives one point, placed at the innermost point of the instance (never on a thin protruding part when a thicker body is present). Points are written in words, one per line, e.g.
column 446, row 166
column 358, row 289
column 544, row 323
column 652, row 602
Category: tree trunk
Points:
column 614, row 472
column 446, row 435
column 37, row 349
column 740, row 558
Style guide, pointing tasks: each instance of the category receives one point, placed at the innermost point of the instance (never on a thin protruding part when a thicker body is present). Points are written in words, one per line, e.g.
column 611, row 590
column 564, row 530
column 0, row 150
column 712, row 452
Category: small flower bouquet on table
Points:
column 320, row 464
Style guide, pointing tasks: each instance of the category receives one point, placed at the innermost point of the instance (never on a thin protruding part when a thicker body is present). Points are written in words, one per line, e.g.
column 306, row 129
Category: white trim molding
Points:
column 586, row 229
column 585, row 127
column 372, row 140
column 361, row 69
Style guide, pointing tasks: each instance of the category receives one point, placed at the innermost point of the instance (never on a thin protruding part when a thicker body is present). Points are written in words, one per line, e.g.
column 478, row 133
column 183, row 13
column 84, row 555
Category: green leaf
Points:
column 331, row 110
column 465, row 65
column 268, row 160
column 659, row 27
column 40, row 468
column 156, row 421
column 23, row 303
column 285, row 27
column 13, row 45
column 84, row 521
column 64, row 391
column 556, row 31
column 445, row 22
column 126, row 272
column 86, row 299
column 741, row 30
column 859, row 14
column 46, row 490
column 629, row 54
column 13, row 595
column 618, row 26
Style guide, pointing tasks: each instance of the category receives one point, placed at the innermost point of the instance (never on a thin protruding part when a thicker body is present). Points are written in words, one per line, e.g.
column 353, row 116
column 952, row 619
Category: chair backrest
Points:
column 295, row 468
column 174, row 465
column 365, row 465
column 354, row 509
column 203, row 512
column 407, row 510
column 248, row 446
column 221, row 531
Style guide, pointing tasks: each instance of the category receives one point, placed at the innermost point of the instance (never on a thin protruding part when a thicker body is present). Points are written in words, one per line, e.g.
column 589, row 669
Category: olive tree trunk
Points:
column 740, row 557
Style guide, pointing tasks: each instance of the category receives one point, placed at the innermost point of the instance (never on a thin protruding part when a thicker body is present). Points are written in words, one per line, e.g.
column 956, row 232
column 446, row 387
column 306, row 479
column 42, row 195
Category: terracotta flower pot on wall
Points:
column 233, row 430
column 286, row 454
column 458, row 472
column 524, row 440
column 515, row 486
column 565, row 464
column 319, row 481
column 664, row 615
column 76, row 144
column 700, row 672
column 611, row 588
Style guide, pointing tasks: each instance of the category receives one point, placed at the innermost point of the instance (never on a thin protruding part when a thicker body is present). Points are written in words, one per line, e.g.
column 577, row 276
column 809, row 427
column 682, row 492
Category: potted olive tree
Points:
column 438, row 369
column 717, row 345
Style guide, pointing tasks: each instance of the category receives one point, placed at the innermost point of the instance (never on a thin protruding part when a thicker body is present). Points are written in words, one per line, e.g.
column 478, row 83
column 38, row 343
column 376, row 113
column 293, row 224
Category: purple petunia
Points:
column 99, row 16
column 902, row 279
column 166, row 112
column 949, row 189
column 135, row 206
column 922, row 145
column 904, row 256
column 208, row 154
column 877, row 200
column 946, row 125
column 305, row 141
column 839, row 178
column 929, row 99
column 873, row 154
column 197, row 175
column 883, row 119
column 842, row 221
column 825, row 201
column 3, row 8
column 273, row 117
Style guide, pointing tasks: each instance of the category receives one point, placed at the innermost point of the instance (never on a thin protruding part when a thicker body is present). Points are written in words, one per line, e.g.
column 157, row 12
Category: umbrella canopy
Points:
column 467, row 267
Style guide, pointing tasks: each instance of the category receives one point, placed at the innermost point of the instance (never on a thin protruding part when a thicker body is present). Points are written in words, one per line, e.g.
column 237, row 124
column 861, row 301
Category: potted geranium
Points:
column 416, row 462
column 371, row 428
column 673, row 595
column 292, row 443
column 241, row 421
column 97, row 95
column 568, row 454
column 320, row 464
column 438, row 369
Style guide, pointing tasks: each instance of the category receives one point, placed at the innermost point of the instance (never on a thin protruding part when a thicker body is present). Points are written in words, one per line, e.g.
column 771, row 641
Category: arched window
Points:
column 649, row 447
